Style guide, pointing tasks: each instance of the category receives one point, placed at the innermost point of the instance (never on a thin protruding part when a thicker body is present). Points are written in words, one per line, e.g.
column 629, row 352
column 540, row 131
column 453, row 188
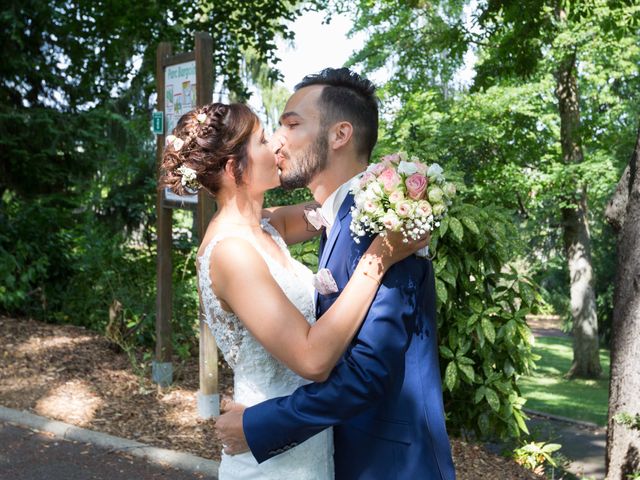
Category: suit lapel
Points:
column 327, row 248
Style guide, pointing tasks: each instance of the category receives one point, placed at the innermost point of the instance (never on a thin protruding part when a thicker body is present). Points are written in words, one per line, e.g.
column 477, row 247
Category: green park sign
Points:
column 158, row 123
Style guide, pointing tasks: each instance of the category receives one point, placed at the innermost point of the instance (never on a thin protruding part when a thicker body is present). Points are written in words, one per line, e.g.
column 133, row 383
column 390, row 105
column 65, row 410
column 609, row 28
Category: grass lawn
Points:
column 547, row 391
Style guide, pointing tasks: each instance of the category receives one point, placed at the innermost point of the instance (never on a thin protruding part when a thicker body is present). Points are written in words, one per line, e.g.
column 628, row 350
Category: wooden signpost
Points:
column 184, row 82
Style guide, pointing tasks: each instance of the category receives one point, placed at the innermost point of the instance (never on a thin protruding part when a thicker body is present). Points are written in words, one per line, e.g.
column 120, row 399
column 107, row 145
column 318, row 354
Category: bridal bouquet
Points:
column 401, row 195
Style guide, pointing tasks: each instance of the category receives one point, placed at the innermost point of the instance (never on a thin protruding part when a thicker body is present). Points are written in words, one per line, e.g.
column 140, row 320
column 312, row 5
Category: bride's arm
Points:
column 242, row 280
column 291, row 222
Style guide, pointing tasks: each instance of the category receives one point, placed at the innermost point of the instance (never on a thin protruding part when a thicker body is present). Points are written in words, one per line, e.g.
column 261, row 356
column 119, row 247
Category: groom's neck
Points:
column 336, row 173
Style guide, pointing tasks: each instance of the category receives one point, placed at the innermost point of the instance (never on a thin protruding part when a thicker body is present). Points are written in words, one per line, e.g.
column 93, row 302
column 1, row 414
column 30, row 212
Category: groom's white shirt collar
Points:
column 332, row 204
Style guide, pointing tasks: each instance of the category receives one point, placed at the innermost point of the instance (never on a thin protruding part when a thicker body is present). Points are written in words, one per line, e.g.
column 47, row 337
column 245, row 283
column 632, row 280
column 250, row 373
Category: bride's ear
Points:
column 228, row 169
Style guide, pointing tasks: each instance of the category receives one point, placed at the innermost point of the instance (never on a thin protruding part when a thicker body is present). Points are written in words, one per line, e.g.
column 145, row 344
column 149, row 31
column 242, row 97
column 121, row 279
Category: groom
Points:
column 384, row 397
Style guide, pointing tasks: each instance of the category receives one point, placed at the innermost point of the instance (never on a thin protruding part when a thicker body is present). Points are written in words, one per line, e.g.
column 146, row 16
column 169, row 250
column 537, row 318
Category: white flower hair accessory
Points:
column 175, row 141
column 189, row 178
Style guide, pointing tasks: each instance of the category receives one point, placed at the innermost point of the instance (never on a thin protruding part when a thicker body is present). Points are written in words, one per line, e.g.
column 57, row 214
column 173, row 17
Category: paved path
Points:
column 32, row 455
column 584, row 445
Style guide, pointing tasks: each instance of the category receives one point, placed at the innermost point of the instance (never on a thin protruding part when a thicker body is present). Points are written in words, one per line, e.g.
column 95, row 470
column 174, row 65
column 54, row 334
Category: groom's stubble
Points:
column 303, row 168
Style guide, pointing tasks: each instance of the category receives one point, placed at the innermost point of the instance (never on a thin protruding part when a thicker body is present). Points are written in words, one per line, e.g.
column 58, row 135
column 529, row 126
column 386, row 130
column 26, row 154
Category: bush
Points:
column 484, row 340
column 77, row 224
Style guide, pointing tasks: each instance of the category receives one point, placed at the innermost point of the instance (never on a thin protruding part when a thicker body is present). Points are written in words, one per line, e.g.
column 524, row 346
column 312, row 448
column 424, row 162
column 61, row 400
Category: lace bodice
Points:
column 226, row 327
column 257, row 374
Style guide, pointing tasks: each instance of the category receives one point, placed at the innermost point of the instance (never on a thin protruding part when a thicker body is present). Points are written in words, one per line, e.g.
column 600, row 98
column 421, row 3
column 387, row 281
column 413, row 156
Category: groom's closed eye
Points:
column 288, row 119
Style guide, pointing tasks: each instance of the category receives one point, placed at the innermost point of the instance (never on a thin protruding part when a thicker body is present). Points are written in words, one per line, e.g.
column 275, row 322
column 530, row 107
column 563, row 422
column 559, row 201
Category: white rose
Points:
column 396, row 196
column 435, row 194
column 407, row 168
column 404, row 209
column 435, row 170
column 374, row 191
column 439, row 209
column 360, row 197
column 424, row 208
column 391, row 221
column 370, row 206
column 449, row 190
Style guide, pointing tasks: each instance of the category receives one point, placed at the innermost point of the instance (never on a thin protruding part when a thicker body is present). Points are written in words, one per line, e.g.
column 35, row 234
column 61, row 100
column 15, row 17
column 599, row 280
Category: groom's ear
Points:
column 340, row 135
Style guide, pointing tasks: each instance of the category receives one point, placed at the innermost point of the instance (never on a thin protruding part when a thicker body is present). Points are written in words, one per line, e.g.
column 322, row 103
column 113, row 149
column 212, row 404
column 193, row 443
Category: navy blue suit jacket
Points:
column 384, row 397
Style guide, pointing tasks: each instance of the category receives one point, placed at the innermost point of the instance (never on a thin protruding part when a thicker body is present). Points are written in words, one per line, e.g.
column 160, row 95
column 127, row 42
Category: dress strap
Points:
column 204, row 261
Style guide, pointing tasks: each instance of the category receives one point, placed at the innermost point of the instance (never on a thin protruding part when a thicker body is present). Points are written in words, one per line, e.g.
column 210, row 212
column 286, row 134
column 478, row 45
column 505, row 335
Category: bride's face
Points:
column 262, row 170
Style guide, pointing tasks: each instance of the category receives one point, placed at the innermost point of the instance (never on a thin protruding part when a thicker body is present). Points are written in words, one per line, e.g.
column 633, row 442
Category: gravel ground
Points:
column 72, row 374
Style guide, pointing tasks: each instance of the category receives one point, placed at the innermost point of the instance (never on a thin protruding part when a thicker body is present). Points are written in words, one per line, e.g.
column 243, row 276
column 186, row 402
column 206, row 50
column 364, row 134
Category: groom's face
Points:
column 304, row 139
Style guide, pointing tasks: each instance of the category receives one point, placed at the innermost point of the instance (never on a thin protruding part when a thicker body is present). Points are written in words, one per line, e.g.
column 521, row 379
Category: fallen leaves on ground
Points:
column 72, row 374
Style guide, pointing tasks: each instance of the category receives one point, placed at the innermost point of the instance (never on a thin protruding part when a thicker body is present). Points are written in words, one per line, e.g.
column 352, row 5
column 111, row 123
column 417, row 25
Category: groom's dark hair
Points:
column 348, row 96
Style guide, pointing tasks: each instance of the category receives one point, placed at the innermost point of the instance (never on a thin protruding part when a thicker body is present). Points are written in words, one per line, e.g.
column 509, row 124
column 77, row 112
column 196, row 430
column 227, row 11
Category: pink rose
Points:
column 393, row 158
column 391, row 221
column 422, row 168
column 376, row 168
column 390, row 179
column 366, row 178
column 416, row 185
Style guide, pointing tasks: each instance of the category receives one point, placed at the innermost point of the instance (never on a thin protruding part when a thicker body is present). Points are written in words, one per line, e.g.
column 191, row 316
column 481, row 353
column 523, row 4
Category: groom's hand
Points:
column 229, row 429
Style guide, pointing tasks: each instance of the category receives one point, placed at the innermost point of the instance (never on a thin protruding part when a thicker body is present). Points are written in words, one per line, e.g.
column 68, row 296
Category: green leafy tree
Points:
column 555, row 39
column 550, row 150
column 77, row 163
column 505, row 135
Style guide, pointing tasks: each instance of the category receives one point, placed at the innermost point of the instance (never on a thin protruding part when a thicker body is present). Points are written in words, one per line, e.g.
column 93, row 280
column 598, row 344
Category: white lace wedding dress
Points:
column 259, row 376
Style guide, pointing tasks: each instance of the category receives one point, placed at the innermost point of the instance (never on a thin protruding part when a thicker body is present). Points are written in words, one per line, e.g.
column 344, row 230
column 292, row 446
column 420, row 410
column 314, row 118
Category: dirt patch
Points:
column 546, row 326
column 72, row 374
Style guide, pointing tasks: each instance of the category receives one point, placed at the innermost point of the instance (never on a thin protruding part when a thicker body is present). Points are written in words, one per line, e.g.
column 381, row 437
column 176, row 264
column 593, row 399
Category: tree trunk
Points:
column 617, row 205
column 586, row 361
column 577, row 239
column 623, row 442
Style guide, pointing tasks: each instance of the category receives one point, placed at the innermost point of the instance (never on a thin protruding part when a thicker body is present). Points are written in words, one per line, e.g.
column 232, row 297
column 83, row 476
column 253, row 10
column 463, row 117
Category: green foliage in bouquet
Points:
column 485, row 344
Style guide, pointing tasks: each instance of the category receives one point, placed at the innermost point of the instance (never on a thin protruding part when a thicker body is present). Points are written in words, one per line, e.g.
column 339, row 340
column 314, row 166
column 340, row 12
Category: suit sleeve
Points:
column 360, row 379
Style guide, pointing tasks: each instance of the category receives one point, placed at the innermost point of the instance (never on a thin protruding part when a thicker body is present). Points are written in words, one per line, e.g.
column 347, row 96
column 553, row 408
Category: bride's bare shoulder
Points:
column 232, row 254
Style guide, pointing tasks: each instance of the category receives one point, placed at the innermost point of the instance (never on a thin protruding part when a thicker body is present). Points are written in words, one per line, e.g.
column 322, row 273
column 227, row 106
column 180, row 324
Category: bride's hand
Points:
column 228, row 428
column 393, row 247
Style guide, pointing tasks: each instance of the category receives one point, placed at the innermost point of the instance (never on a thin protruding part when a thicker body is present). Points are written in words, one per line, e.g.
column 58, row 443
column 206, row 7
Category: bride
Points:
column 258, row 300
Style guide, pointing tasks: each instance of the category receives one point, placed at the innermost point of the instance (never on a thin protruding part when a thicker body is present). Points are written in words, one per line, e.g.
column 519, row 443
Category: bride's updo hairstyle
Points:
column 201, row 144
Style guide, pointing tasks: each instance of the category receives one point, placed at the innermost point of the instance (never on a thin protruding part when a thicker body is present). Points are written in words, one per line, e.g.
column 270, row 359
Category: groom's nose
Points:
column 277, row 142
